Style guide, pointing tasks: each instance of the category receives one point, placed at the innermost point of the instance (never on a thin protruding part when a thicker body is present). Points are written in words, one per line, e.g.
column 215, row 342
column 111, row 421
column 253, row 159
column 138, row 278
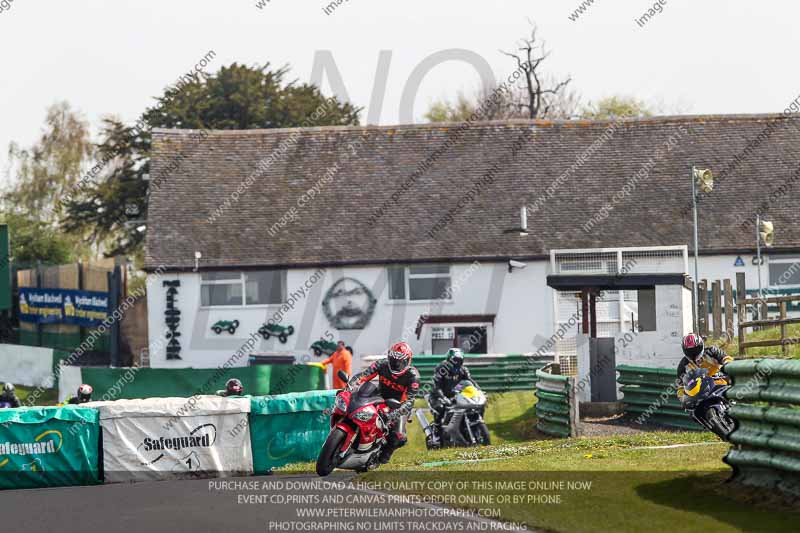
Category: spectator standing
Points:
column 341, row 359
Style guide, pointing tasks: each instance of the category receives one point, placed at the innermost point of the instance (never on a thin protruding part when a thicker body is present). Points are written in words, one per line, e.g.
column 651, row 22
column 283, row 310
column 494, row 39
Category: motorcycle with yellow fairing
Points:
column 704, row 399
column 462, row 422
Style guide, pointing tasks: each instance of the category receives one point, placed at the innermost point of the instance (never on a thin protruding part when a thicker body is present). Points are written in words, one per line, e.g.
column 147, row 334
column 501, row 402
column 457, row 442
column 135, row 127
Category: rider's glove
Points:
column 686, row 401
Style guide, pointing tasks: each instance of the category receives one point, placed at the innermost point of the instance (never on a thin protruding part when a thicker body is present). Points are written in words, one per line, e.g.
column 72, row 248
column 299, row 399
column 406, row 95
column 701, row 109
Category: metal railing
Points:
column 493, row 372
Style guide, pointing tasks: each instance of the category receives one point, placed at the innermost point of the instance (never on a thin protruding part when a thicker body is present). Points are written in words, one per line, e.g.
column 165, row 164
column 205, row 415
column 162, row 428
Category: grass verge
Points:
column 792, row 331
column 629, row 483
column 47, row 397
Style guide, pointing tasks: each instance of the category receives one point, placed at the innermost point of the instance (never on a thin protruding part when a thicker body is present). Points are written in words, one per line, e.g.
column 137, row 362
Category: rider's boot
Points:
column 386, row 454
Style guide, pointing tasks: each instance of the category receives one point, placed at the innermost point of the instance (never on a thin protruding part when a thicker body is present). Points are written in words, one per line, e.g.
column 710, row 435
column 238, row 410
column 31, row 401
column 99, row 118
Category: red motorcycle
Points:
column 358, row 430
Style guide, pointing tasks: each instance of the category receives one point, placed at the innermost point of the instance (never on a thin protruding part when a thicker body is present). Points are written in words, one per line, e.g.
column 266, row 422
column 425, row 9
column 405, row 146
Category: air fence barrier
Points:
column 160, row 438
column 650, row 395
column 492, row 372
column 556, row 405
column 289, row 428
column 48, row 447
column 766, row 441
column 136, row 383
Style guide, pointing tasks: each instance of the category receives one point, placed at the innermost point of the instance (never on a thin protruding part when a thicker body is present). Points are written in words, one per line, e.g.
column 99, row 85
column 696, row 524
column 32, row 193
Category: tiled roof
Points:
column 450, row 192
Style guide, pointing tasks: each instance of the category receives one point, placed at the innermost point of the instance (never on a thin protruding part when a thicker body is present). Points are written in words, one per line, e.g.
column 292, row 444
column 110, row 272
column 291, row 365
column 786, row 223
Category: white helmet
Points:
column 85, row 393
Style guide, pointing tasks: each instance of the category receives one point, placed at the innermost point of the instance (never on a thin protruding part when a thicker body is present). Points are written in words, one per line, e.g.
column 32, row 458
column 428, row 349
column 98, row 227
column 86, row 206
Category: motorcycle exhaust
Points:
column 423, row 422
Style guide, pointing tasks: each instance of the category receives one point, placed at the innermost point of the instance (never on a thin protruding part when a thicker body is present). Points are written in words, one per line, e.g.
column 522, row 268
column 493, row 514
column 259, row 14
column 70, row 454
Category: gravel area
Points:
column 616, row 425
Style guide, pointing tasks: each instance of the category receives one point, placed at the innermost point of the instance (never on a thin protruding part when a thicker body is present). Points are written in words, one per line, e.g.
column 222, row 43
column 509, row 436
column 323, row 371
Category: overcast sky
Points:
column 113, row 57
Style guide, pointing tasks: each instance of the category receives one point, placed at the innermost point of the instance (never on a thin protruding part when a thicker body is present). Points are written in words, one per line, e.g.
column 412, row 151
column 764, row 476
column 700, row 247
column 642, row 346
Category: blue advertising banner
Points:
column 64, row 306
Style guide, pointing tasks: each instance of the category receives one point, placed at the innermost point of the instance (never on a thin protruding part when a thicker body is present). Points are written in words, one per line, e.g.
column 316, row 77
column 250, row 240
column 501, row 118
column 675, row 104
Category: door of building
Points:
column 472, row 339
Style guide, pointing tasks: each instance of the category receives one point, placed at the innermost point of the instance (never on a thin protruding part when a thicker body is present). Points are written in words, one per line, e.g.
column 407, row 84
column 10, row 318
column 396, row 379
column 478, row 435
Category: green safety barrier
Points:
column 289, row 428
column 48, row 447
column 651, row 395
column 260, row 380
column 556, row 405
column 766, row 451
column 493, row 373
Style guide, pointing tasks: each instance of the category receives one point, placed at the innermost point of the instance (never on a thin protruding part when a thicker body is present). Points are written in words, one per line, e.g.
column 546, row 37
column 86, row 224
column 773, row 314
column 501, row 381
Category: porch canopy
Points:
column 591, row 285
column 615, row 282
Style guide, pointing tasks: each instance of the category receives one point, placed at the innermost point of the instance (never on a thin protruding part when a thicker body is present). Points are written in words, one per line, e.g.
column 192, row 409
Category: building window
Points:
column 784, row 271
column 397, row 283
column 265, row 288
column 226, row 289
column 420, row 282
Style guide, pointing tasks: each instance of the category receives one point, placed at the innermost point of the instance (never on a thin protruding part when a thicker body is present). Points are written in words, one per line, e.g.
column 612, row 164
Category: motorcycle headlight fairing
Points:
column 694, row 387
column 365, row 414
column 340, row 404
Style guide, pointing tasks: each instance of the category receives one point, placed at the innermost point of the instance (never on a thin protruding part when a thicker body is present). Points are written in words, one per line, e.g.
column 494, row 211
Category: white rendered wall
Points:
column 520, row 300
column 657, row 349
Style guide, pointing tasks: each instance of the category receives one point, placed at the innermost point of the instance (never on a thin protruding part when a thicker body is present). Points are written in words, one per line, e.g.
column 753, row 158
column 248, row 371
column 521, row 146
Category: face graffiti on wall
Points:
column 349, row 304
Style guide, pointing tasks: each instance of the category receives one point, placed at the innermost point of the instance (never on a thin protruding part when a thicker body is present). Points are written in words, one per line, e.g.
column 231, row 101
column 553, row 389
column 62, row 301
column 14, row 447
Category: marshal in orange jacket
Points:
column 342, row 360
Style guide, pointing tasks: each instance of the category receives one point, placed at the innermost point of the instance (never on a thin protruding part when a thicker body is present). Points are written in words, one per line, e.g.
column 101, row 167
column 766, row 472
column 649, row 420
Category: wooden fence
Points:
column 764, row 322
column 718, row 302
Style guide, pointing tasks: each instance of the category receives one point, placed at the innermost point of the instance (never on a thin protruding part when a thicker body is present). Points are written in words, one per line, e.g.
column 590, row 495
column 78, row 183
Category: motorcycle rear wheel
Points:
column 328, row 458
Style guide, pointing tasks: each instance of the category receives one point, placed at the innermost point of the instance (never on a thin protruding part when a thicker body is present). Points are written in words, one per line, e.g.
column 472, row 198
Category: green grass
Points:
column 511, row 419
column 792, row 331
column 634, row 486
column 47, row 397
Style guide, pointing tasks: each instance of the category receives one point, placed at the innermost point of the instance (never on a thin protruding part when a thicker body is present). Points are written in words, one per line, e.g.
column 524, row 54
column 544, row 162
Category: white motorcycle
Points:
column 462, row 423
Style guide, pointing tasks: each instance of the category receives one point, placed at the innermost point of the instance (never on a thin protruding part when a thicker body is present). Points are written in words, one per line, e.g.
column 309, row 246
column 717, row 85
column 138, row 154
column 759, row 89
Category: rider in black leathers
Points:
column 9, row 395
column 446, row 376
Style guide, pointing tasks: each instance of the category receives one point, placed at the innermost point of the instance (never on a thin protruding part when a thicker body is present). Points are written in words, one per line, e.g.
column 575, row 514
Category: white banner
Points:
column 27, row 365
column 162, row 438
column 69, row 379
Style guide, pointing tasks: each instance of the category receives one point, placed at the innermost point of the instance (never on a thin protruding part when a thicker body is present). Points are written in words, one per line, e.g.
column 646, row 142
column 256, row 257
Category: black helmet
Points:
column 85, row 393
column 456, row 357
column 234, row 387
column 692, row 345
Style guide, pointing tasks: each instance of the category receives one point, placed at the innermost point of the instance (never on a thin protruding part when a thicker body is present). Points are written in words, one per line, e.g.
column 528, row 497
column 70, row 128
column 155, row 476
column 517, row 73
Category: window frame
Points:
column 243, row 284
column 407, row 277
column 782, row 260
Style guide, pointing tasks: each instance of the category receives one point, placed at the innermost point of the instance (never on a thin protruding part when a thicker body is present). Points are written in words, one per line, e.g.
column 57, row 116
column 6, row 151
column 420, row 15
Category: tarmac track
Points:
column 192, row 506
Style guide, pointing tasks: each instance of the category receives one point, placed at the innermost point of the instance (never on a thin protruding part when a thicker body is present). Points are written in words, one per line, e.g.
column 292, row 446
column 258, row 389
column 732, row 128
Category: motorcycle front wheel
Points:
column 328, row 458
column 720, row 422
column 483, row 434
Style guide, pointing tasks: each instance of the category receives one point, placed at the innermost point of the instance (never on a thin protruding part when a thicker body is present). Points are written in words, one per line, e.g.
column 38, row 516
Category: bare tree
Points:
column 540, row 96
column 534, row 95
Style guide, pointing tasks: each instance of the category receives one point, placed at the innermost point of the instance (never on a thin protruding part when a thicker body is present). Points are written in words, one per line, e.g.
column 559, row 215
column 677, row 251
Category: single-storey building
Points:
column 445, row 234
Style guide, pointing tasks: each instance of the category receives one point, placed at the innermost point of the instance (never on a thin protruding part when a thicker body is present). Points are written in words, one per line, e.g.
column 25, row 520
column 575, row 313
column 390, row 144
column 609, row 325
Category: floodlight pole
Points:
column 758, row 255
column 696, row 247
